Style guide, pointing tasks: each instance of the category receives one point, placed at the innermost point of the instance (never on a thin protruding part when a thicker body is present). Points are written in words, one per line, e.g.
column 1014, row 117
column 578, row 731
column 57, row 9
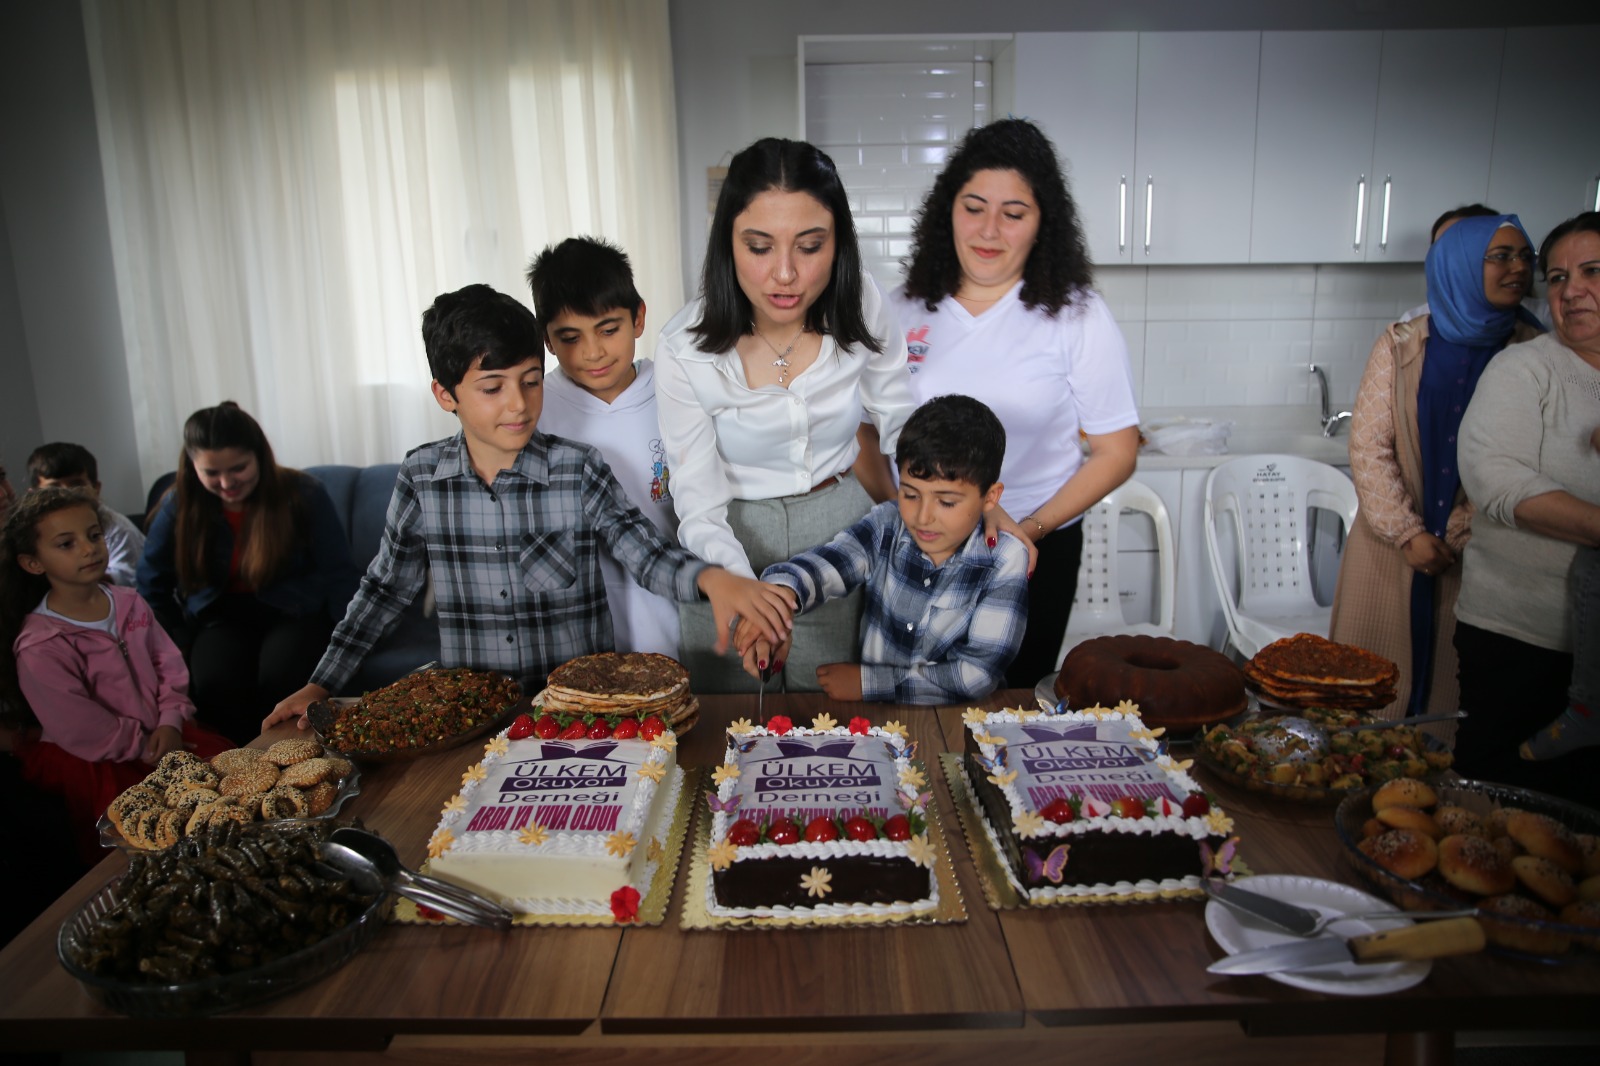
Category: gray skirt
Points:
column 773, row 531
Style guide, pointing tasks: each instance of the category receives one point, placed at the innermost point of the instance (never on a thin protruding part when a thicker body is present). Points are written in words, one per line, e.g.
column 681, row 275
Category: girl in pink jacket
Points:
column 105, row 683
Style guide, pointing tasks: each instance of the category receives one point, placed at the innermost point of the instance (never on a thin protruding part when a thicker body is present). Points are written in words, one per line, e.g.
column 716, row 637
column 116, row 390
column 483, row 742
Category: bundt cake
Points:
column 1175, row 683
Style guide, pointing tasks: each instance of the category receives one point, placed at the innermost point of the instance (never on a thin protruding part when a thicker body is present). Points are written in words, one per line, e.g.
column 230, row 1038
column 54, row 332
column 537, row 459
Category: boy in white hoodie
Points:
column 591, row 314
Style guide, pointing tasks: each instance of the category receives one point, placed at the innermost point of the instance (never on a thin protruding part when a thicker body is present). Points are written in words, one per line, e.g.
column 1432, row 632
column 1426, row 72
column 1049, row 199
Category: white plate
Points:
column 1238, row 933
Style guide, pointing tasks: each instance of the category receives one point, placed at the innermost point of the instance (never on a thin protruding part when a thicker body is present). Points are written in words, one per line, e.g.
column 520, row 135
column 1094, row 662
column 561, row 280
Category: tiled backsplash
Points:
column 1225, row 336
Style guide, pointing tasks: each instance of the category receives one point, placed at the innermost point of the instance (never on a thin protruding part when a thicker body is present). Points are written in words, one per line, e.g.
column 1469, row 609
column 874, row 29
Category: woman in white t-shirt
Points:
column 997, row 305
column 760, row 388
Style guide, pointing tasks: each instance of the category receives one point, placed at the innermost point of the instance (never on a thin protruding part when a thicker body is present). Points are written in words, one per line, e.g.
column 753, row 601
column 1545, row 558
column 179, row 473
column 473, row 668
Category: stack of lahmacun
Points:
column 627, row 685
column 1306, row 670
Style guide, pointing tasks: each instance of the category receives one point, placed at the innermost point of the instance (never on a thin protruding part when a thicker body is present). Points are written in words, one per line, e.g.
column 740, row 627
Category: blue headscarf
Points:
column 1461, row 314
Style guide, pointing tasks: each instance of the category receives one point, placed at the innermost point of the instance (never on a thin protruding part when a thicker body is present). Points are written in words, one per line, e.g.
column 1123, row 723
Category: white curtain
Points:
column 292, row 182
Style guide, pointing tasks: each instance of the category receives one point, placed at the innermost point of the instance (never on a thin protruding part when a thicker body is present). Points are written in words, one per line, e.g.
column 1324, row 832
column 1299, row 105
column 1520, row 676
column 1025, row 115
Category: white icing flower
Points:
column 919, row 850
column 818, row 882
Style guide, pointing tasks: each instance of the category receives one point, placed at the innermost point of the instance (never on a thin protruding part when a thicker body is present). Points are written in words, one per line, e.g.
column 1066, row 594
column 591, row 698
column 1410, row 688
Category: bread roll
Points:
column 1403, row 792
column 1589, row 844
column 1515, row 935
column 1473, row 865
column 1398, row 817
column 1547, row 838
column 1544, row 879
column 1497, row 820
column 1405, row 853
column 1460, row 821
column 1584, row 912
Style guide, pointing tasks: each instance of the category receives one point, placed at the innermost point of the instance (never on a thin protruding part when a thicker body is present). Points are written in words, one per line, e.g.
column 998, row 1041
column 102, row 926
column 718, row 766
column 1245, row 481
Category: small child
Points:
column 1579, row 725
column 107, row 685
column 945, row 613
column 72, row 466
column 590, row 315
column 511, row 523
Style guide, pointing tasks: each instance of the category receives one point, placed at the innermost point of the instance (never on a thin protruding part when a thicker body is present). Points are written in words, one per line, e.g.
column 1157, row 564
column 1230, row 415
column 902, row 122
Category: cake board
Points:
column 652, row 905
column 697, row 915
column 998, row 890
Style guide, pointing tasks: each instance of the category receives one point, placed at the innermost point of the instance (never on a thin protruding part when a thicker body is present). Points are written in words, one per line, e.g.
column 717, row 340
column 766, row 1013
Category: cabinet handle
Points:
column 1383, row 236
column 1361, row 209
column 1122, row 214
column 1149, row 208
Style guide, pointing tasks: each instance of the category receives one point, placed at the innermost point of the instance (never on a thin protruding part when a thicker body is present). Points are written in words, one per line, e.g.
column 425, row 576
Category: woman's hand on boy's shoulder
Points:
column 294, row 707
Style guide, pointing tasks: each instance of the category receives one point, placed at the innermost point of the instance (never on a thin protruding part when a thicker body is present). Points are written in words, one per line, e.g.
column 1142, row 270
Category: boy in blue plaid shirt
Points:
column 511, row 522
column 944, row 612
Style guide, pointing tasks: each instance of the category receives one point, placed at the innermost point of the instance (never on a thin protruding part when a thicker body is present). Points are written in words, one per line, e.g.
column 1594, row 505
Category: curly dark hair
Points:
column 1058, row 266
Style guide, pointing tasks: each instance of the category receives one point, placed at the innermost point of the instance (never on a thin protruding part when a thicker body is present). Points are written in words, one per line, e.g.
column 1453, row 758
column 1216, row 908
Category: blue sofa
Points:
column 361, row 497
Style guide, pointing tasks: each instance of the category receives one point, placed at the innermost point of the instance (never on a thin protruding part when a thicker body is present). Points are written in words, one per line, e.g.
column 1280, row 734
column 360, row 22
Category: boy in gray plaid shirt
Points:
column 944, row 612
column 510, row 522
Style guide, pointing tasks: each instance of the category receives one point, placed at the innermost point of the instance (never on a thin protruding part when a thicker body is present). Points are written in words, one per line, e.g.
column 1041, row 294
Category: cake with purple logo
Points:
column 819, row 823
column 1085, row 804
column 560, row 826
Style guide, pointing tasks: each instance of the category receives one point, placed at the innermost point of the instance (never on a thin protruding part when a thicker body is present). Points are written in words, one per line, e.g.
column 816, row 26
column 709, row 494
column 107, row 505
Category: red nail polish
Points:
column 993, row 541
column 1030, row 575
column 761, row 664
column 777, row 666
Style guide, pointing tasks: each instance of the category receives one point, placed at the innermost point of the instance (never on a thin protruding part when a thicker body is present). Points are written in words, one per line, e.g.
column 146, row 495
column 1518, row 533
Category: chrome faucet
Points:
column 1330, row 421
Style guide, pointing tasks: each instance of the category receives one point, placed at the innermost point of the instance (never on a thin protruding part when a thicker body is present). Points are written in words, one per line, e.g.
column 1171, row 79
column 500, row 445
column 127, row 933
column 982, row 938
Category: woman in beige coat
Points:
column 1401, row 572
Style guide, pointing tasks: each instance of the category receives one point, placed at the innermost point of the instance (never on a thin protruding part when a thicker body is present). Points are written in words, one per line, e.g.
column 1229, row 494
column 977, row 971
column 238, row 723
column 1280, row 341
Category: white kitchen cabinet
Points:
column 1546, row 149
column 1313, row 160
column 1194, row 153
column 1082, row 88
column 1436, row 103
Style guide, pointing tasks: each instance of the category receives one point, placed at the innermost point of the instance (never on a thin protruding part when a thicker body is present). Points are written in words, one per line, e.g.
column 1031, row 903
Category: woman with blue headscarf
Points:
column 1400, row 575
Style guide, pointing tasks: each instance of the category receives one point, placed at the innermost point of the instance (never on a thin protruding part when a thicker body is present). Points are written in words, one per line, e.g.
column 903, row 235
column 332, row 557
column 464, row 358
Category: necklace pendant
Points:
column 782, row 361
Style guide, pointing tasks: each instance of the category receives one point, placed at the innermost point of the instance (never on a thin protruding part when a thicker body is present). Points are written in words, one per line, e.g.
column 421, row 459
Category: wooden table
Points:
column 1012, row 982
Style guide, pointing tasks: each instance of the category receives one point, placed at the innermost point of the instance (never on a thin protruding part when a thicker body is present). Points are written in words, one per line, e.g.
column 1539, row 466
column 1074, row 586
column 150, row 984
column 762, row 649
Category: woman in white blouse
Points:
column 761, row 384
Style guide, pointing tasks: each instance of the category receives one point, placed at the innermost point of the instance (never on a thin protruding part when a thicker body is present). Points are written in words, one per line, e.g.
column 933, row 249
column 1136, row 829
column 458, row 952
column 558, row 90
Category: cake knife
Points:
column 1431, row 940
column 761, row 693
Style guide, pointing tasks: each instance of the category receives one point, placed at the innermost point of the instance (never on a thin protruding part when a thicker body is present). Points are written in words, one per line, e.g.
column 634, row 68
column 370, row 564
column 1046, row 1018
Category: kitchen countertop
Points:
column 1281, row 430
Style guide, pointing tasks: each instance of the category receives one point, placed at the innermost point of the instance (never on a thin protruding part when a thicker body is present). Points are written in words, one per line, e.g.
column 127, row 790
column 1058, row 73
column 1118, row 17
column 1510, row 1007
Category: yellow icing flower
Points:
column 740, row 725
column 456, row 804
column 721, row 854
column 818, row 882
column 726, row 772
column 1028, row 824
column 666, row 741
column 823, row 721
column 533, row 836
column 1167, row 762
column 475, row 773
column 1218, row 822
column 440, row 843
column 620, row 843
column 897, row 729
column 919, row 851
column 1146, row 734
column 912, row 776
column 1030, row 714
column 994, row 741
column 1127, row 707
column 973, row 716
column 498, row 746
column 653, row 770
column 1003, row 778
column 655, row 850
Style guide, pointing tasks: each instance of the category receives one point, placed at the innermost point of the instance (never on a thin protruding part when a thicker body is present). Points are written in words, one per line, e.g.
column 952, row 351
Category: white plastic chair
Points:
column 1265, row 503
column 1096, row 608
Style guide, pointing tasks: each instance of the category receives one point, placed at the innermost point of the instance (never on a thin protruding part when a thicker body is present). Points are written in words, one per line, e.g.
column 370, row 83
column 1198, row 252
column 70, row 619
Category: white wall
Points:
column 59, row 320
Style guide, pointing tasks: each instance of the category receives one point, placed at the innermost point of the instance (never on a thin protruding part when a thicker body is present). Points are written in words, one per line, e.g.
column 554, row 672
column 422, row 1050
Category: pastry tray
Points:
column 349, row 786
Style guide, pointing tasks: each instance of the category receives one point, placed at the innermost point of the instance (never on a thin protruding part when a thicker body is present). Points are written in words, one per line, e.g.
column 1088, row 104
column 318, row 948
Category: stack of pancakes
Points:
column 1306, row 670
column 630, row 684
